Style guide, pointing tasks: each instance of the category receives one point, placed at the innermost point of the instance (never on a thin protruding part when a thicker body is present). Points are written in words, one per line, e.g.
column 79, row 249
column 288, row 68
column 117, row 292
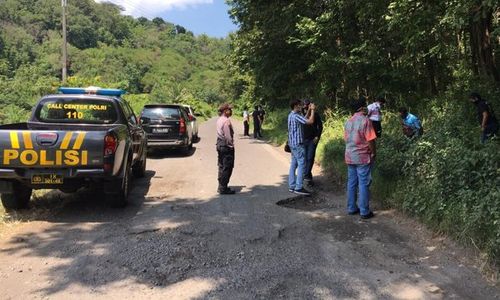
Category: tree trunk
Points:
column 431, row 70
column 483, row 59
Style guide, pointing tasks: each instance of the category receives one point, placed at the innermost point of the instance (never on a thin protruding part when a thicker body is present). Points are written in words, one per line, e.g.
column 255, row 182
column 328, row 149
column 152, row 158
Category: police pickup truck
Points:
column 77, row 138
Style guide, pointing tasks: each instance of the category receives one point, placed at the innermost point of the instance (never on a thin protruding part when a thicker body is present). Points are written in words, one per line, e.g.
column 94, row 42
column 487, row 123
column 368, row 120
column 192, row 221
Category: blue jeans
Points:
column 358, row 179
column 310, row 148
column 297, row 164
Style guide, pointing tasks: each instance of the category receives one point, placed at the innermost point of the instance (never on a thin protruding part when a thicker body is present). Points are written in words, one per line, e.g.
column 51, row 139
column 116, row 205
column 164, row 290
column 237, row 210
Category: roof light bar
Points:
column 91, row 90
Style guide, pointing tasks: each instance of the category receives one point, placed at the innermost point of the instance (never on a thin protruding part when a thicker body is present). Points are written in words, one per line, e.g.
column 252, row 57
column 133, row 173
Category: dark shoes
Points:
column 368, row 216
column 226, row 191
column 302, row 192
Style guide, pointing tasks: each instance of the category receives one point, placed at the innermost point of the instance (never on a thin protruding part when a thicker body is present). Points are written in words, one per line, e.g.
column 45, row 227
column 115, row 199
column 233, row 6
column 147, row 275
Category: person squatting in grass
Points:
column 312, row 134
column 296, row 124
column 225, row 149
column 375, row 114
column 485, row 116
column 360, row 151
column 412, row 127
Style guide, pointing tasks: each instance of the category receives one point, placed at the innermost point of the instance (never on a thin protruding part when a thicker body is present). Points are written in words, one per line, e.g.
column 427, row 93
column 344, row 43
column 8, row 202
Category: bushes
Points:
column 445, row 178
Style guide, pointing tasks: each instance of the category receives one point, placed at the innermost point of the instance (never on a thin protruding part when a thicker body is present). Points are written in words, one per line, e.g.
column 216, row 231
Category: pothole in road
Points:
column 305, row 203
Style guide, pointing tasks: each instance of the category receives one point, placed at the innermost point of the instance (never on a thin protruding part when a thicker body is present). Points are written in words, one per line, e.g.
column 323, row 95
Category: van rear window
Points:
column 160, row 113
column 78, row 110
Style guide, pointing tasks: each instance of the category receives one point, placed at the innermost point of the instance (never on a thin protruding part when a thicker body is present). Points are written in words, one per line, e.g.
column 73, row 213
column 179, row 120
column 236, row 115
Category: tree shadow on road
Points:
column 244, row 245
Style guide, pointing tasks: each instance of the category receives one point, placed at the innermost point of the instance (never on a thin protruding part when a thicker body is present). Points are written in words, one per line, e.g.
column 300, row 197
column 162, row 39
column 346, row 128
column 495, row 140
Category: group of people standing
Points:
column 258, row 120
column 360, row 133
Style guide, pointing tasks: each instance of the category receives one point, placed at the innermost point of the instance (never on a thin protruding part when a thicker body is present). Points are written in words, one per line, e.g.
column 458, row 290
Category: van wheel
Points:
column 119, row 199
column 18, row 199
column 139, row 169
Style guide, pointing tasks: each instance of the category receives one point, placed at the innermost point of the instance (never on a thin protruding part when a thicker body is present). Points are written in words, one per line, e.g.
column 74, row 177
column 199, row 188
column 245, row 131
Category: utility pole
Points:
column 64, row 46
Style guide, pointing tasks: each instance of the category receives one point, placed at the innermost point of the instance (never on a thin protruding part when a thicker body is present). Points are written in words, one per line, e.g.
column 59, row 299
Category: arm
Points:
column 486, row 116
column 312, row 109
column 226, row 128
column 373, row 148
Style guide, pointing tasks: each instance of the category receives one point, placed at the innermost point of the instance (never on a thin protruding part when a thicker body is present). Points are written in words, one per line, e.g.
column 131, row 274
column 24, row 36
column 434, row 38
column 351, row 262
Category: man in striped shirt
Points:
column 296, row 124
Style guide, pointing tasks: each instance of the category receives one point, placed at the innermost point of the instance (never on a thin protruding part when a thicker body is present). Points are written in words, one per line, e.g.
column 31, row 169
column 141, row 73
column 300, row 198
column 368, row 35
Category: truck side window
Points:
column 131, row 118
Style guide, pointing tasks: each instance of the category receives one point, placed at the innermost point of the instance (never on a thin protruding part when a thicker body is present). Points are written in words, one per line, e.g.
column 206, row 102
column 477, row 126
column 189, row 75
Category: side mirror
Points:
column 197, row 114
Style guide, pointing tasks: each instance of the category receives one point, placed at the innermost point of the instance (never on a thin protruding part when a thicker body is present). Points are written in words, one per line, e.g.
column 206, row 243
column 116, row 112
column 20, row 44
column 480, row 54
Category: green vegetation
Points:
column 155, row 61
column 423, row 55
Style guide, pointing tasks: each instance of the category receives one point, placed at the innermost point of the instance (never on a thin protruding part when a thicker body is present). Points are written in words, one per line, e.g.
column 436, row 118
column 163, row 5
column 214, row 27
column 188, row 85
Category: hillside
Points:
column 154, row 60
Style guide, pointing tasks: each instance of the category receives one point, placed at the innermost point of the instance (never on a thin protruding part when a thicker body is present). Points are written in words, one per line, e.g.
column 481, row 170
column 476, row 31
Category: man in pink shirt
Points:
column 360, row 152
column 225, row 149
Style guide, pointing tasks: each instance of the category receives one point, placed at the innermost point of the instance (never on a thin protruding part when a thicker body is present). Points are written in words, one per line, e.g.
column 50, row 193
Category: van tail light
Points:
column 110, row 145
column 182, row 126
column 191, row 117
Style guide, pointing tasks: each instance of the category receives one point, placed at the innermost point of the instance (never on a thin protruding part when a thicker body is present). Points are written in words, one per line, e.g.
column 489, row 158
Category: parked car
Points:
column 167, row 126
column 71, row 140
column 192, row 116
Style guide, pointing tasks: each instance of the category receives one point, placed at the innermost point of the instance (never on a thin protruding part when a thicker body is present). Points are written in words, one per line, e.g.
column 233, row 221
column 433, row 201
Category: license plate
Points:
column 47, row 179
column 161, row 130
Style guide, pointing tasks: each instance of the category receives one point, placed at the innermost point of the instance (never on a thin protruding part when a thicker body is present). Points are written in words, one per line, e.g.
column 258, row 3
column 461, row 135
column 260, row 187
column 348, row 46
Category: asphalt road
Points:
column 179, row 239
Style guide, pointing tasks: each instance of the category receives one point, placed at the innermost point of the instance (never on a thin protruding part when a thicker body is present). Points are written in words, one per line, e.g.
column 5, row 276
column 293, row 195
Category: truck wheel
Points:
column 139, row 169
column 119, row 200
column 19, row 199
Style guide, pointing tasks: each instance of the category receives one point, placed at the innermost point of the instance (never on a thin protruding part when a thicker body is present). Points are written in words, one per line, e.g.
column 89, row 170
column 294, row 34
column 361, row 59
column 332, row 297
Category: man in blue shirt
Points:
column 296, row 124
column 411, row 124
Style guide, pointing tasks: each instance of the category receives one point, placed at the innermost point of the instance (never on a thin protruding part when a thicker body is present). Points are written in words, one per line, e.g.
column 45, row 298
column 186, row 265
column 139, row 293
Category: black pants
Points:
column 256, row 129
column 226, row 165
column 246, row 128
column 377, row 125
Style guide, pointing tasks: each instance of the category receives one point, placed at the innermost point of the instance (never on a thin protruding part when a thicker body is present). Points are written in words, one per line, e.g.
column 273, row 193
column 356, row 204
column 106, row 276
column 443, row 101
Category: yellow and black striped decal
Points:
column 65, row 155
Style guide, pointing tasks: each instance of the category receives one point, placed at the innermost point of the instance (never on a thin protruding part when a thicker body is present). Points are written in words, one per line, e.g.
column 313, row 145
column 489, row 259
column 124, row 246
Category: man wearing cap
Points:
column 312, row 134
column 296, row 123
column 225, row 148
column 360, row 152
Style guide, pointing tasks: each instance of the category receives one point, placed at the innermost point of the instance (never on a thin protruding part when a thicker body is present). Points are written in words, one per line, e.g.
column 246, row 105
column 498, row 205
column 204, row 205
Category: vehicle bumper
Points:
column 72, row 178
column 164, row 144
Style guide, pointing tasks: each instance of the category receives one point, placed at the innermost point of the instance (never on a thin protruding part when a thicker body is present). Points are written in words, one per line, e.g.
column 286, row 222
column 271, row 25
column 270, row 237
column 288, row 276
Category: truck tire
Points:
column 119, row 200
column 19, row 199
column 139, row 169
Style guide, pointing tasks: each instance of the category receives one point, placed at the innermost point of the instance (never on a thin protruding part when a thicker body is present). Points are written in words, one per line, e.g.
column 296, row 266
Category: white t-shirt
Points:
column 245, row 115
column 374, row 112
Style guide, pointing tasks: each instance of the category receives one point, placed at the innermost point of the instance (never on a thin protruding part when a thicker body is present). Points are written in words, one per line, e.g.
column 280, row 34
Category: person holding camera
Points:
column 296, row 122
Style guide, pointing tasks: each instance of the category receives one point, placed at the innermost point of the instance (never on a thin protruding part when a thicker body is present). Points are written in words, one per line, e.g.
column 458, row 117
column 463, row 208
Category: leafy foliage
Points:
column 152, row 59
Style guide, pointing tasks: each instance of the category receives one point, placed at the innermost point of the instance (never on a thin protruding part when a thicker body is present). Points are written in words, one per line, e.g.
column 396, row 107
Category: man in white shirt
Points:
column 246, row 119
column 375, row 115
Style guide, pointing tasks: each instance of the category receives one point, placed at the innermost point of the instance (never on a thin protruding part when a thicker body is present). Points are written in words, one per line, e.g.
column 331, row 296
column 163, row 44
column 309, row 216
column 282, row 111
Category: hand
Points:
column 316, row 140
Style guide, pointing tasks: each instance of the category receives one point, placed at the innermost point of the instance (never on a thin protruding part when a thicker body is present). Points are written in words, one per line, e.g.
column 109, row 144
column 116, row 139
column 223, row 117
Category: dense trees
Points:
column 153, row 57
column 335, row 49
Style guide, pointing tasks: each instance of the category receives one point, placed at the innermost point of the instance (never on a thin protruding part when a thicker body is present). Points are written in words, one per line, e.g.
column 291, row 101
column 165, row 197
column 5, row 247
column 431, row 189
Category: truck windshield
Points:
column 80, row 110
